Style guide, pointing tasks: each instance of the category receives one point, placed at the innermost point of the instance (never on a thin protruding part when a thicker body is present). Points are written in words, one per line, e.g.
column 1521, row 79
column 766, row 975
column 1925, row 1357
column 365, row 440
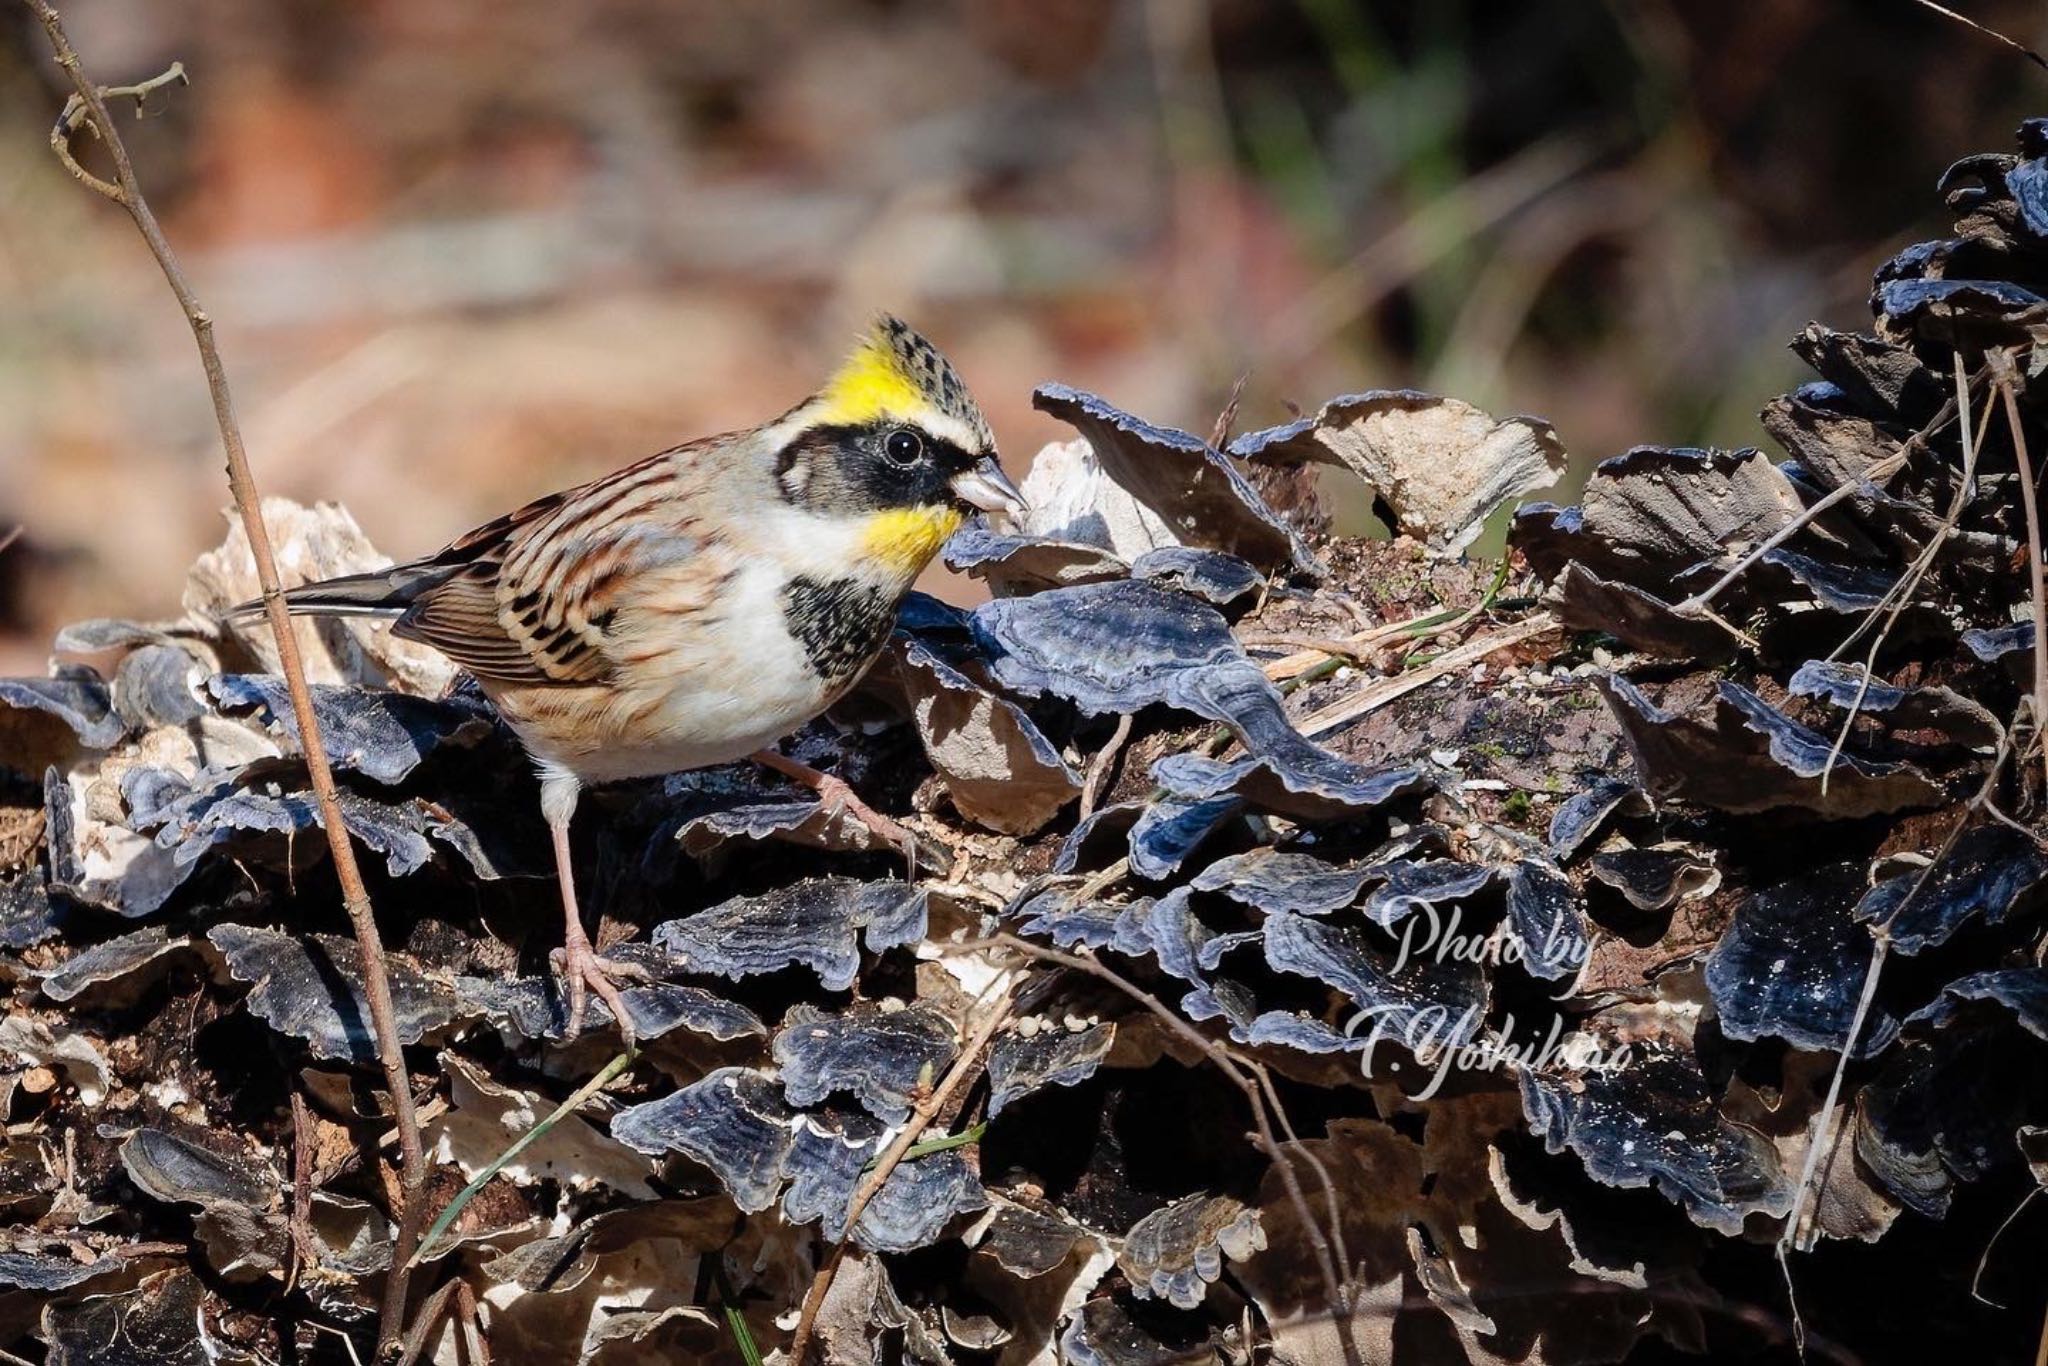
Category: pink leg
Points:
column 581, row 967
column 835, row 795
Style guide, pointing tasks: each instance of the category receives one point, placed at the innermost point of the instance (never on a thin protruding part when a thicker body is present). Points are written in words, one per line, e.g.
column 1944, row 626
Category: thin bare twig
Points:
column 431, row 1314
column 377, row 986
column 73, row 117
column 921, row 1116
column 1823, row 1124
column 2006, row 379
column 1316, row 1164
column 472, row 1321
column 1876, row 474
column 1098, row 769
column 1984, row 1258
column 1893, row 605
column 1226, row 419
column 1378, row 694
column 2015, row 44
column 1323, row 1244
column 303, row 1134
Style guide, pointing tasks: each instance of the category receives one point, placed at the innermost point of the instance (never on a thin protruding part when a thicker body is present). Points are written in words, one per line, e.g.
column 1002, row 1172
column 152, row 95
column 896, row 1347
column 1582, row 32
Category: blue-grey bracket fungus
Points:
column 1583, row 815
column 1422, row 1004
column 1214, row 576
column 1992, row 872
column 1548, row 920
column 381, row 735
column 820, row 923
column 1115, row 647
column 1791, row 965
column 1175, row 1253
column 311, row 987
column 1019, row 1065
column 1747, row 756
column 876, row 1056
column 733, row 1121
column 1275, row 881
column 2022, row 992
column 534, row 1007
column 1585, row 921
column 1654, row 1123
column 80, row 703
column 909, row 1210
column 1012, row 564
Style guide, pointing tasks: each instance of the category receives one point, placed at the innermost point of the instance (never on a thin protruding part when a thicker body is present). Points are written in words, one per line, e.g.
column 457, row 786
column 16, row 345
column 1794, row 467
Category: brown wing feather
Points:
column 531, row 600
column 460, row 619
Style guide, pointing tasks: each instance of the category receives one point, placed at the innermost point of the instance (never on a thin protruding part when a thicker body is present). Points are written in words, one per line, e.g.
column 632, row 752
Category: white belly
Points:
column 736, row 685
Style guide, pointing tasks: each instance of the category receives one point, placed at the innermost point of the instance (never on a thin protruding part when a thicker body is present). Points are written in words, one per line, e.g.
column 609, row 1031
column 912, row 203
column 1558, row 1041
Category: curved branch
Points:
column 87, row 107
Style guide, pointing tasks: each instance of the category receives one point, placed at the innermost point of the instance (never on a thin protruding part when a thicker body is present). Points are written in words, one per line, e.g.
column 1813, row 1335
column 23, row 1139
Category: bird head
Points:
column 895, row 438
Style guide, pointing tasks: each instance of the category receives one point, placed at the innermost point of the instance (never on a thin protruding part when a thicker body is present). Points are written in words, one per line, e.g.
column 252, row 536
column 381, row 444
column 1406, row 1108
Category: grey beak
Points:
column 988, row 488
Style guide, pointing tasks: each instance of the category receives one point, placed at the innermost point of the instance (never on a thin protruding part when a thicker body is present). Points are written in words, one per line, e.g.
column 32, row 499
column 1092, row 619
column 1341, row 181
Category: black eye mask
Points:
column 870, row 468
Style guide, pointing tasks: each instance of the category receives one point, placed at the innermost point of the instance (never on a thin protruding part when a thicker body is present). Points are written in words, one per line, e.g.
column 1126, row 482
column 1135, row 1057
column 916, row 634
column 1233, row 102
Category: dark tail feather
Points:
column 380, row 593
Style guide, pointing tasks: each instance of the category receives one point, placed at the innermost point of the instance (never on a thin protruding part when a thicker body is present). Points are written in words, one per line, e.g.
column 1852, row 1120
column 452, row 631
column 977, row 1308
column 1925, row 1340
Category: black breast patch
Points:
column 841, row 623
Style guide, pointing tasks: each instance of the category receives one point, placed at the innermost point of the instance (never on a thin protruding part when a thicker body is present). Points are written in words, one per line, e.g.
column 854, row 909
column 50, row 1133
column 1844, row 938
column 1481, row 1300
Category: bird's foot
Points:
column 584, row 970
column 836, row 795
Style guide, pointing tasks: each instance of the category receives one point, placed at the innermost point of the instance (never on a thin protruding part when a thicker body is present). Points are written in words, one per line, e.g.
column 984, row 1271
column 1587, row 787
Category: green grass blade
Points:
column 520, row 1145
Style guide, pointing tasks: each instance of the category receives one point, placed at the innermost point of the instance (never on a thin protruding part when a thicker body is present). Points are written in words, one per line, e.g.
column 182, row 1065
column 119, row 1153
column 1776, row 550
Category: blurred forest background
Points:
column 462, row 253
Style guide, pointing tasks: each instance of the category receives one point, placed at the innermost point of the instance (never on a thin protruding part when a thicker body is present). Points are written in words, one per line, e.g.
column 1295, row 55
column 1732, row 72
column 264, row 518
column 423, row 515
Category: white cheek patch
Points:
column 822, row 547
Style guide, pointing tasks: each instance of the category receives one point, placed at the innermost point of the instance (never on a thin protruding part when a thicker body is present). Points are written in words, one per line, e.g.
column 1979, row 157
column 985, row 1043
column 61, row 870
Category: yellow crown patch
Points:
column 872, row 384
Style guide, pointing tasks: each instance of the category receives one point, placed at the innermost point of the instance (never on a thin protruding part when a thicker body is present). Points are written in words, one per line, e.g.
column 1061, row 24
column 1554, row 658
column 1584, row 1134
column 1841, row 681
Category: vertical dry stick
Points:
column 303, row 1138
column 1900, row 594
column 1098, row 770
column 125, row 192
column 1820, row 1132
column 1335, row 1285
column 921, row 1116
column 2006, row 379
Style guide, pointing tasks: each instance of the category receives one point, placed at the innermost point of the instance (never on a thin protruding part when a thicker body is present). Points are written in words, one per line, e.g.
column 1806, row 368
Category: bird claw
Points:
column 837, row 795
column 585, row 970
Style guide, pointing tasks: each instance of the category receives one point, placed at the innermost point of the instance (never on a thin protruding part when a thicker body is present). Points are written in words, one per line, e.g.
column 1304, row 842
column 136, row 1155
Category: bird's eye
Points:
column 903, row 446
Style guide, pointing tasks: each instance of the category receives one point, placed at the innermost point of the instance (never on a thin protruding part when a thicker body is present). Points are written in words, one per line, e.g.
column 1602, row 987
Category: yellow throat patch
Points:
column 869, row 386
column 905, row 539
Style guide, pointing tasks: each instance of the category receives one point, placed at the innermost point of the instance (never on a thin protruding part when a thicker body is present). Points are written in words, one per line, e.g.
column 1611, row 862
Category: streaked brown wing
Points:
column 461, row 620
column 537, row 587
